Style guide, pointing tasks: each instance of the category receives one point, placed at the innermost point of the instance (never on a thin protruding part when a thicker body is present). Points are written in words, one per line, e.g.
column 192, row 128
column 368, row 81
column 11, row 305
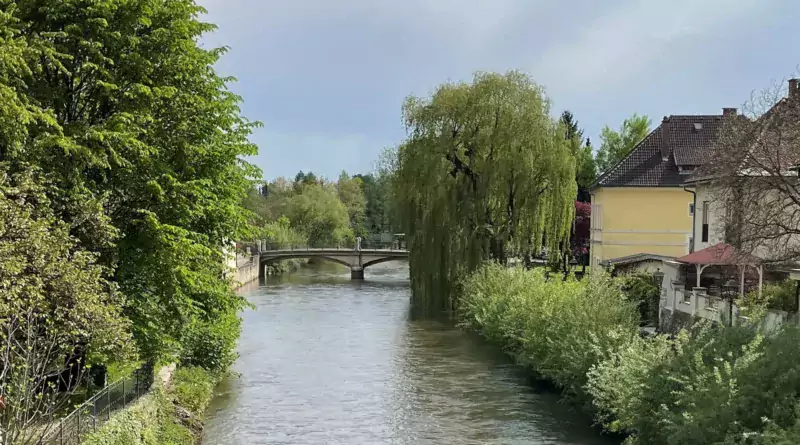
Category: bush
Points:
column 211, row 344
column 641, row 290
column 778, row 296
column 710, row 385
column 193, row 388
column 560, row 329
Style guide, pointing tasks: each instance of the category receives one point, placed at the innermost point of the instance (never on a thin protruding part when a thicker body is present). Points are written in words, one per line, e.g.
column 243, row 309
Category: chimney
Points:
column 665, row 139
column 729, row 111
column 792, row 88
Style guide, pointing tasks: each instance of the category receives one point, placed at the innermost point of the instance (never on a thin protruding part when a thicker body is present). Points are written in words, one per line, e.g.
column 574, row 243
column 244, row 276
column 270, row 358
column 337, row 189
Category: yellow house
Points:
column 640, row 205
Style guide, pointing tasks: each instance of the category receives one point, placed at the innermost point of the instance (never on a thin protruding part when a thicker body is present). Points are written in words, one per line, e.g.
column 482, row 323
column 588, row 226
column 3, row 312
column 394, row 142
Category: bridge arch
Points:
column 383, row 260
column 356, row 260
column 273, row 259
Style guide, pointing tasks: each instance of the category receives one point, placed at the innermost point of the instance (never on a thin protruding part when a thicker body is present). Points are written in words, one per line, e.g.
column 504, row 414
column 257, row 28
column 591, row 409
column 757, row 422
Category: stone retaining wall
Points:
column 247, row 272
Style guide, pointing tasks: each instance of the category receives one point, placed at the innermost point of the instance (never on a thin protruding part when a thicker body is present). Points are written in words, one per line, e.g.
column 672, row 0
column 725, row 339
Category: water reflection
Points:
column 325, row 360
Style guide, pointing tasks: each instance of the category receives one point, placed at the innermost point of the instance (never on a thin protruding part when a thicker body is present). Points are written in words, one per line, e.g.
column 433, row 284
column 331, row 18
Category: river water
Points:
column 325, row 360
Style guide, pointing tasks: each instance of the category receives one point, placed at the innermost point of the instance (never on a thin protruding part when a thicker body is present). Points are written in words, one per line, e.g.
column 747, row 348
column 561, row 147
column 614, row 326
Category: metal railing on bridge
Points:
column 264, row 246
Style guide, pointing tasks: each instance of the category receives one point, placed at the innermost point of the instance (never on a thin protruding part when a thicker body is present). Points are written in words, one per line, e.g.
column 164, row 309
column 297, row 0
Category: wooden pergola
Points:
column 725, row 255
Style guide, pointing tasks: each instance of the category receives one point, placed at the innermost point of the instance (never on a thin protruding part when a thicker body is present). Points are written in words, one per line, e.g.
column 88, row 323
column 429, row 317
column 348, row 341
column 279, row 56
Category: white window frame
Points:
column 691, row 209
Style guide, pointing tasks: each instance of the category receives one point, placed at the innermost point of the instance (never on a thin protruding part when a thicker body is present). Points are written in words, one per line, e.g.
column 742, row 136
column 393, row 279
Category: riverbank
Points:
column 710, row 385
column 172, row 413
column 388, row 377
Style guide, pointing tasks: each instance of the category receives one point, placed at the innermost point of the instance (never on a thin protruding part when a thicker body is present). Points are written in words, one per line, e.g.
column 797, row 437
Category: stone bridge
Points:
column 356, row 260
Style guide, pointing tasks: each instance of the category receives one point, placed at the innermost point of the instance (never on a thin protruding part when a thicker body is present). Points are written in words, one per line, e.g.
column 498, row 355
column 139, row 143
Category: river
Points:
column 326, row 360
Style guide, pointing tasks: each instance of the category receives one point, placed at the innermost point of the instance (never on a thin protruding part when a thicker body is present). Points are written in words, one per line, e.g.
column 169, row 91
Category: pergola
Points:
column 725, row 255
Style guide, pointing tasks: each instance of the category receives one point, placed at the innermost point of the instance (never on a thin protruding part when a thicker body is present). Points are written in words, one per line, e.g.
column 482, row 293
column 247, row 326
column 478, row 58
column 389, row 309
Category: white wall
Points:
column 707, row 196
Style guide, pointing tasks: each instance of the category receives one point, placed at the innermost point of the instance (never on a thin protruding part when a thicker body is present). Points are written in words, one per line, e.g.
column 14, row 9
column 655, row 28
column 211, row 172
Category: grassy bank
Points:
column 170, row 414
column 708, row 385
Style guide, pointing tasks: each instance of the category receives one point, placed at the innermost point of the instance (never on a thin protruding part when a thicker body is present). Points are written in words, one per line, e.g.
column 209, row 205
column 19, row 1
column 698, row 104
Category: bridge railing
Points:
column 264, row 246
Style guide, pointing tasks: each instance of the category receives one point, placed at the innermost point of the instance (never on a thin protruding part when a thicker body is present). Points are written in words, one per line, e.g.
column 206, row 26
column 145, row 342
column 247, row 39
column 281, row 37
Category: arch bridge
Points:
column 356, row 259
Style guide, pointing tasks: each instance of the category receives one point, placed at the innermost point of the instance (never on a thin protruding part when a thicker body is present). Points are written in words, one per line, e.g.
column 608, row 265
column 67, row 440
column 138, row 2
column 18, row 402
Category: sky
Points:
column 327, row 78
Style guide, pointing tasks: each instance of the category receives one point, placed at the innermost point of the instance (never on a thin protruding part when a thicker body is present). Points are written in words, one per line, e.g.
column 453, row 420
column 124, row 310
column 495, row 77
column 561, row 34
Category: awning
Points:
column 720, row 255
column 724, row 255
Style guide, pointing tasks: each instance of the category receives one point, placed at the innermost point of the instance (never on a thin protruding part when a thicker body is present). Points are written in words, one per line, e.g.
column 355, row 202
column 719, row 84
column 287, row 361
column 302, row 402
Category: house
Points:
column 640, row 205
column 746, row 229
column 753, row 180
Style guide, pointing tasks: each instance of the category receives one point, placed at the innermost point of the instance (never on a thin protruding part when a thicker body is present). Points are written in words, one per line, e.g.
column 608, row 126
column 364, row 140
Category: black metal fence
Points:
column 96, row 410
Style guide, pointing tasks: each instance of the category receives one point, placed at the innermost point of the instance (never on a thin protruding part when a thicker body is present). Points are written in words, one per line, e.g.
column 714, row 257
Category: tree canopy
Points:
column 585, row 168
column 615, row 145
column 485, row 173
column 140, row 149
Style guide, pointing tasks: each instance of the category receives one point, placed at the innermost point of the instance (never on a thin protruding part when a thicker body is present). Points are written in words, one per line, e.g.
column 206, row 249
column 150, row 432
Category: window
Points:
column 691, row 209
column 690, row 242
column 706, row 205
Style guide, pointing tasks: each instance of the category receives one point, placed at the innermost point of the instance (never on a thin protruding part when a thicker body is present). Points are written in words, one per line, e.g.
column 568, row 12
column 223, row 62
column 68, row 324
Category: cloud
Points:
column 621, row 43
column 327, row 78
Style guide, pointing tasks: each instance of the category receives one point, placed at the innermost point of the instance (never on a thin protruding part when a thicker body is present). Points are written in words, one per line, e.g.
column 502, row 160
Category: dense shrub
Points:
column 211, row 344
column 778, row 296
column 708, row 385
column 641, row 290
column 558, row 328
column 193, row 388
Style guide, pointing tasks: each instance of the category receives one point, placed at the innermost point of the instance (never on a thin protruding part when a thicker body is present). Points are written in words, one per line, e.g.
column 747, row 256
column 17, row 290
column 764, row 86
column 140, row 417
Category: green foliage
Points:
column 58, row 311
column 615, row 145
column 351, row 194
column 585, row 169
column 144, row 144
column 211, row 344
column 641, row 290
column 193, row 389
column 712, row 385
column 778, row 296
column 560, row 329
column 152, row 420
column 319, row 213
column 281, row 234
column 485, row 173
column 139, row 424
column 377, row 216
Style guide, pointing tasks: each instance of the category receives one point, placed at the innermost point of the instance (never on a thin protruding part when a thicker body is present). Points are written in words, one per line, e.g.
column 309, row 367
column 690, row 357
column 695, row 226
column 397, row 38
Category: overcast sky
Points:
column 327, row 77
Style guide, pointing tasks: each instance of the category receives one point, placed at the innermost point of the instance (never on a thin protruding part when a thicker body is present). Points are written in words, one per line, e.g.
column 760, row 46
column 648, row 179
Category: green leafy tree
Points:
column 615, row 145
column 351, row 193
column 320, row 215
column 58, row 311
column 585, row 168
column 145, row 149
column 485, row 173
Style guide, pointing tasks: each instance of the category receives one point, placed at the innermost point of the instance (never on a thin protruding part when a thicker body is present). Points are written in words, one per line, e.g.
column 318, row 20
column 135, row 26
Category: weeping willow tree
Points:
column 485, row 173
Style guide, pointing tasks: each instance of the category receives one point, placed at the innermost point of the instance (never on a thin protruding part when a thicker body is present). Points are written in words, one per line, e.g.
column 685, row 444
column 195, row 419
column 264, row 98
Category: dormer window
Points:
column 686, row 169
column 698, row 126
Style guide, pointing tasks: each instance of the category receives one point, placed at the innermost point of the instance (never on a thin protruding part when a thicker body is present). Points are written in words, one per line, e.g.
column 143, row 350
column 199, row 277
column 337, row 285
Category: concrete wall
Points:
column 246, row 272
column 631, row 220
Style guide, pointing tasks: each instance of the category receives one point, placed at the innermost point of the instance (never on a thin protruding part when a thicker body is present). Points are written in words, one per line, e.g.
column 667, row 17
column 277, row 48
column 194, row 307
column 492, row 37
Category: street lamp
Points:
column 658, row 277
column 729, row 290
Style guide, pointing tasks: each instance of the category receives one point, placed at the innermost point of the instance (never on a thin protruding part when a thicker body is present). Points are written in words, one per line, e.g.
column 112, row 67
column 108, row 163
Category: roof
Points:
column 719, row 254
column 636, row 258
column 764, row 146
column 655, row 160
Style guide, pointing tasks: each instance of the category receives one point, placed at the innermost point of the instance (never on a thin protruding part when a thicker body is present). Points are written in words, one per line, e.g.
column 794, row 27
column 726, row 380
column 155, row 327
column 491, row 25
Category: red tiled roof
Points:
column 721, row 254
